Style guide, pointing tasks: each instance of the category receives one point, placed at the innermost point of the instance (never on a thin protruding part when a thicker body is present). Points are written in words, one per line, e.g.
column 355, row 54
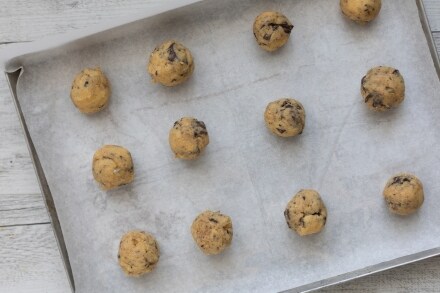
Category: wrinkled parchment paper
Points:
column 346, row 151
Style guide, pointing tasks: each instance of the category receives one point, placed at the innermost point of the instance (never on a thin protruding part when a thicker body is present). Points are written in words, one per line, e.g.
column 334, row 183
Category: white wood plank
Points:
column 432, row 8
column 437, row 41
column 30, row 261
column 22, row 209
column 33, row 19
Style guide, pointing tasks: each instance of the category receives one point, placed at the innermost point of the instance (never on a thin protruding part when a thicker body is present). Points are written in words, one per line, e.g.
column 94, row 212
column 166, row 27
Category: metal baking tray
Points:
column 92, row 35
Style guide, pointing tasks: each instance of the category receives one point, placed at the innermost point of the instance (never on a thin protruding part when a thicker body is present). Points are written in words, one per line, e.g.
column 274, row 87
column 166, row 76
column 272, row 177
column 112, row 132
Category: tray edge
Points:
column 12, row 79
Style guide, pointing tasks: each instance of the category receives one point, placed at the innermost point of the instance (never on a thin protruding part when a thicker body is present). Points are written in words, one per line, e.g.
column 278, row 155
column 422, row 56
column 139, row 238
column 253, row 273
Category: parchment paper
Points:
column 346, row 151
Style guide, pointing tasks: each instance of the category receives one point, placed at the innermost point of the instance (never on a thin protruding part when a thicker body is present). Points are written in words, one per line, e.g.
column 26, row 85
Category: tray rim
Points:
column 12, row 78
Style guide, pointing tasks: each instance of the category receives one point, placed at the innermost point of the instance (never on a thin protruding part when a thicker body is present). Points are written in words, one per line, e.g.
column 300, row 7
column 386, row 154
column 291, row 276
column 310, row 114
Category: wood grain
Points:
column 29, row 256
column 437, row 41
column 33, row 19
column 30, row 261
column 432, row 8
column 22, row 209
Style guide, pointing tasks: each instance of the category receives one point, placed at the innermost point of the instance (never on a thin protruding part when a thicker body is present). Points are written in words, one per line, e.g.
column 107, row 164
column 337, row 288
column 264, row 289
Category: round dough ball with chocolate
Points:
column 383, row 88
column 188, row 138
column 272, row 30
column 171, row 63
column 285, row 117
column 212, row 232
column 90, row 90
column 403, row 194
column 112, row 167
column 138, row 253
column 361, row 11
column 306, row 213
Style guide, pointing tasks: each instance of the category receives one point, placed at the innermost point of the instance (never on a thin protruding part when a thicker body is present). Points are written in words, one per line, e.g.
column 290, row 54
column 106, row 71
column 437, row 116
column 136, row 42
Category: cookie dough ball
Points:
column 383, row 88
column 285, row 117
column 306, row 213
column 90, row 90
column 188, row 138
column 138, row 253
column 403, row 194
column 361, row 11
column 112, row 166
column 212, row 232
column 272, row 30
column 171, row 64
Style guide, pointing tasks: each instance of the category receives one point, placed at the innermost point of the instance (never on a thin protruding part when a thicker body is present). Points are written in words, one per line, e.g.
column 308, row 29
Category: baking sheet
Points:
column 345, row 152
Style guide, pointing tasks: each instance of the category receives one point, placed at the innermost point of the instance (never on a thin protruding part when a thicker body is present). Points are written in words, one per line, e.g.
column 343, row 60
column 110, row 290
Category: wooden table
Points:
column 29, row 257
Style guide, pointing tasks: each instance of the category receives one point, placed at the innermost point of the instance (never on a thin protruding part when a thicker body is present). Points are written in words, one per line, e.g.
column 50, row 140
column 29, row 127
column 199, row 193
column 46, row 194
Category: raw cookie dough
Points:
column 138, row 253
column 272, row 30
column 383, row 88
column 90, row 90
column 306, row 213
column 112, row 166
column 285, row 117
column 403, row 194
column 361, row 11
column 212, row 232
column 171, row 63
column 188, row 138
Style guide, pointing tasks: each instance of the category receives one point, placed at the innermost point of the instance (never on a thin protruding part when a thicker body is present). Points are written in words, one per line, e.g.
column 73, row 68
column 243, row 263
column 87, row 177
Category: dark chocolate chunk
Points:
column 400, row 180
column 171, row 53
column 281, row 130
column 287, row 214
column 86, row 84
column 285, row 26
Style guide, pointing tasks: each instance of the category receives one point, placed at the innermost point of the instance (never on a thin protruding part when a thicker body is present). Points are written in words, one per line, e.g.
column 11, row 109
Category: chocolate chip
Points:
column 396, row 72
column 213, row 220
column 400, row 180
column 267, row 37
column 173, row 80
column 86, row 84
column 287, row 214
column 281, row 130
column 286, row 103
column 363, row 80
column 171, row 53
column 285, row 26
column 200, row 124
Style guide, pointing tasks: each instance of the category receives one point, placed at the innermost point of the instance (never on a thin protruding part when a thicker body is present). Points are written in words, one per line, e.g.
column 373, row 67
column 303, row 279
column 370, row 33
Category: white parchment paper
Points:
column 346, row 151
